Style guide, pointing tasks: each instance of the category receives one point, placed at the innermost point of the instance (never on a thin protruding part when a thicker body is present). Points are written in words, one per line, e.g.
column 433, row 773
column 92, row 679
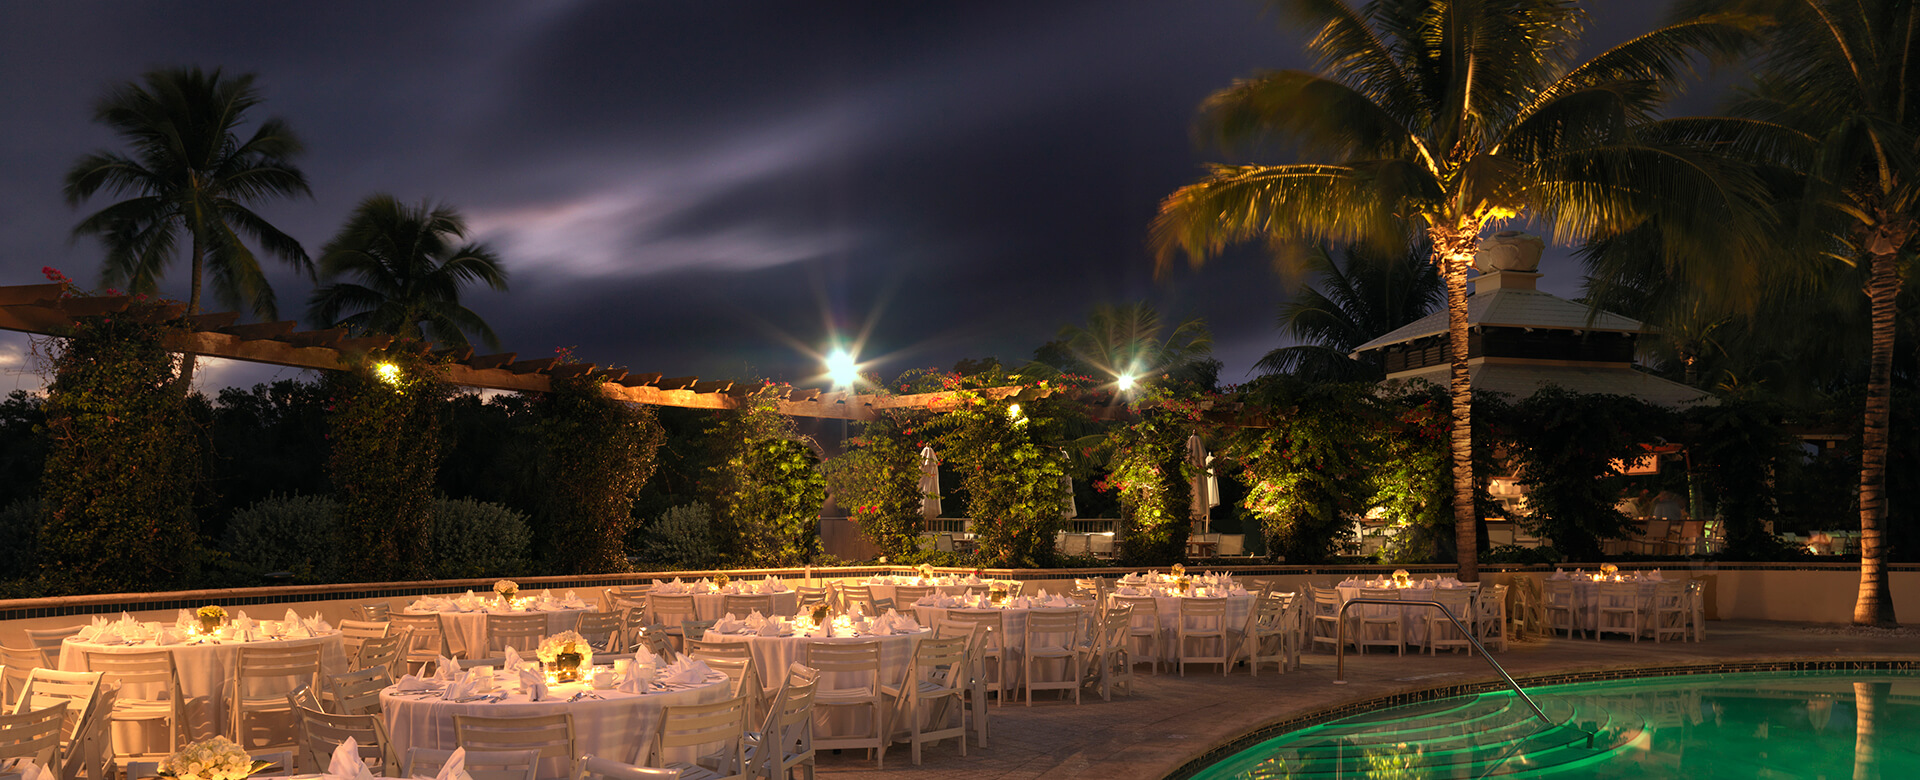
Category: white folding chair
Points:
column 149, row 691
column 717, row 733
column 785, row 741
column 932, row 697
column 480, row 764
column 1202, row 624
column 262, row 678
column 548, row 736
column 1052, row 638
column 854, row 668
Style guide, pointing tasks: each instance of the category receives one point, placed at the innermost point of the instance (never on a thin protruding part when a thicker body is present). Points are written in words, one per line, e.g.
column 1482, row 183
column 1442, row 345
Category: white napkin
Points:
column 455, row 768
column 184, row 618
column 571, row 601
column 459, row 688
column 27, row 769
column 513, row 659
column 728, row 624
column 445, row 669
column 639, row 677
column 685, row 671
column 534, row 685
column 296, row 629
column 318, row 625
column 172, row 636
column 240, row 619
column 347, row 764
column 411, row 682
column 88, row 633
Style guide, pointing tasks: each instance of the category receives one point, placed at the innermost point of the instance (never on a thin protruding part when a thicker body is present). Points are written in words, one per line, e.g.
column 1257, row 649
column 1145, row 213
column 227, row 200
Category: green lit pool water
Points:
column 1746, row 725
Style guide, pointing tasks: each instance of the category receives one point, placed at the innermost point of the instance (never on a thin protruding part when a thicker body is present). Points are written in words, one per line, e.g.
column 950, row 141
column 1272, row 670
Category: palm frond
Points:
column 1340, row 203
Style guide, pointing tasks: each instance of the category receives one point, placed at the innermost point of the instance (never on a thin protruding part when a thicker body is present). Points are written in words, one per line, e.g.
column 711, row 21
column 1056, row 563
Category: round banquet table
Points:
column 618, row 726
column 205, row 670
column 707, row 605
column 883, row 589
column 466, row 632
column 1413, row 619
column 773, row 654
column 1238, row 605
column 1014, row 643
column 1588, row 600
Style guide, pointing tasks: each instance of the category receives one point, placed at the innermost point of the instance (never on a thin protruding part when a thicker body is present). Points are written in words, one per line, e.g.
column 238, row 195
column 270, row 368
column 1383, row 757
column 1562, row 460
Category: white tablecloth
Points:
column 1414, row 619
column 1589, row 601
column 205, row 670
column 884, row 589
column 1169, row 608
column 466, row 632
column 618, row 726
column 1015, row 620
column 772, row 655
column 708, row 605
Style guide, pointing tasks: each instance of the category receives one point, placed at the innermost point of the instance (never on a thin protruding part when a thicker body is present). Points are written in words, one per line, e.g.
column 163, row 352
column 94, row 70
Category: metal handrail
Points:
column 1340, row 652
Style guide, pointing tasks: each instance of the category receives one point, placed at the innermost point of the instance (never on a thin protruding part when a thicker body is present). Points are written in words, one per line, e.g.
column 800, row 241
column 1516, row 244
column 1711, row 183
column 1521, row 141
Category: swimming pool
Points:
column 1737, row 725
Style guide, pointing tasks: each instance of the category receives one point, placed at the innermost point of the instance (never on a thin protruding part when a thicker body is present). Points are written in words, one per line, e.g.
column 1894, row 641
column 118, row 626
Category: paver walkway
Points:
column 1171, row 720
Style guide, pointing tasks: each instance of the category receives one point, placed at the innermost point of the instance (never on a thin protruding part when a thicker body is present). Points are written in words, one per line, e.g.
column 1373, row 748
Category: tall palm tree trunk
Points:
column 1875, row 604
column 1867, row 700
column 1453, row 252
column 188, row 360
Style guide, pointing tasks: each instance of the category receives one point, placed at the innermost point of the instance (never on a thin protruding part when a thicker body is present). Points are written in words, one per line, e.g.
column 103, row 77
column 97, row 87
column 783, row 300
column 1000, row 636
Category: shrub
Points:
column 121, row 464
column 478, row 539
column 386, row 453
column 682, row 539
column 878, row 482
column 592, row 454
column 769, row 485
column 20, row 525
column 297, row 534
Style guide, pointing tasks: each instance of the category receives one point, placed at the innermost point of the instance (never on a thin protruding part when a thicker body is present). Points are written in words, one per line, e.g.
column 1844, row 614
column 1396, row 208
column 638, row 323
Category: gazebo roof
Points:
column 1512, row 307
column 1522, row 379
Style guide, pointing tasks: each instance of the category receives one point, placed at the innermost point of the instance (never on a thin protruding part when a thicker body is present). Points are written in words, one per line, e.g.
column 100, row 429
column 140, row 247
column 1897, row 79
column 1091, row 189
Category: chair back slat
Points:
column 481, row 764
column 34, row 734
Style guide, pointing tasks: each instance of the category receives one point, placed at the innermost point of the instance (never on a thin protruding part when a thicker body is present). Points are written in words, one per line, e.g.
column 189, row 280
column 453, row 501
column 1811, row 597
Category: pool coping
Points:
column 1321, row 715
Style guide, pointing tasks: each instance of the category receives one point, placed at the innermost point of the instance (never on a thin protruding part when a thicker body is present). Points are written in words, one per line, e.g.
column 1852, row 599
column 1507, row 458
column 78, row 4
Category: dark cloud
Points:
column 711, row 188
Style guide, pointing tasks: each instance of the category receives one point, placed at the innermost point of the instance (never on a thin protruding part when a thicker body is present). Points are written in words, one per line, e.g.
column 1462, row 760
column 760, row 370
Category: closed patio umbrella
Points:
column 929, row 483
column 1206, row 490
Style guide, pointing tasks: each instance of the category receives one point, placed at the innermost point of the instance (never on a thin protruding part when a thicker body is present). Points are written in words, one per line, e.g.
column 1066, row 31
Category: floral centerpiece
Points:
column 215, row 759
column 1183, row 582
column 997, row 593
column 926, row 571
column 564, row 653
column 720, row 580
column 1609, row 570
column 819, row 614
column 1400, row 578
column 211, row 616
column 507, row 589
column 1179, row 571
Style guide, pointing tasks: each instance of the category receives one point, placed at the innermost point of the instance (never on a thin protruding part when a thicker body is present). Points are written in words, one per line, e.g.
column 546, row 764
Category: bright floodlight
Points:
column 1125, row 382
column 842, row 369
column 388, row 373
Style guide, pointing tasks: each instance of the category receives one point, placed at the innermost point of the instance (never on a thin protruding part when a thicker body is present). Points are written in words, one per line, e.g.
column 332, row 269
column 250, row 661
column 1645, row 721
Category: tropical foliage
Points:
column 1149, row 467
column 1307, row 473
column 1566, row 451
column 1447, row 118
column 190, row 176
column 877, row 481
column 1015, row 484
column 409, row 267
column 592, row 456
column 1361, row 297
column 384, row 428
column 769, row 486
column 120, row 448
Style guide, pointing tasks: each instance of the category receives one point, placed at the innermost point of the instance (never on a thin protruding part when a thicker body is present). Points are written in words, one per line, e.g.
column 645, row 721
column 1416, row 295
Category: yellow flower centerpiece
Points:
column 564, row 654
column 1609, row 570
column 819, row 614
column 1179, row 571
column 1401, row 578
column 997, row 594
column 720, row 581
column 215, row 759
column 926, row 571
column 212, row 617
column 507, row 590
column 1184, row 583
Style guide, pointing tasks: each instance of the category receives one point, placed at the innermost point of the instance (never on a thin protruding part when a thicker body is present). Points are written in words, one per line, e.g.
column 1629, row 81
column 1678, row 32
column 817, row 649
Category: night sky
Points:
column 711, row 188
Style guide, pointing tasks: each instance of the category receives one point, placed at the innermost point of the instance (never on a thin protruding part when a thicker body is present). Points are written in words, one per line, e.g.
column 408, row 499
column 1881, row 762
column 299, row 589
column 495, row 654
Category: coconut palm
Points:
column 1447, row 118
column 1845, row 76
column 409, row 267
column 1357, row 299
column 190, row 175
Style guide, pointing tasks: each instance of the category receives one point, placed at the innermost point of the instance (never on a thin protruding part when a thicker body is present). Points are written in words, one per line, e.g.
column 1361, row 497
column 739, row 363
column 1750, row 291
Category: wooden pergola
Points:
column 45, row 309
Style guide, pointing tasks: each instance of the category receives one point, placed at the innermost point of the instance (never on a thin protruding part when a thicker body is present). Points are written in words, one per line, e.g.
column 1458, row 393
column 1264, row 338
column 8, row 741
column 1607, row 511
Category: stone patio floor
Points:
column 1170, row 720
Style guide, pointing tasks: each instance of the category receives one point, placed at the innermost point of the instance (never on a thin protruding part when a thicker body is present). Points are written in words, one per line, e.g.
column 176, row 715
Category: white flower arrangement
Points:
column 507, row 589
column 564, row 642
column 214, row 759
column 926, row 571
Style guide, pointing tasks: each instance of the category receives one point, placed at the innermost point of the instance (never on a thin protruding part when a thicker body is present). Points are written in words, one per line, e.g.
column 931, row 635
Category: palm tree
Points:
column 1126, row 340
column 1447, row 118
column 410, row 272
column 1360, row 298
column 189, row 173
column 1845, row 77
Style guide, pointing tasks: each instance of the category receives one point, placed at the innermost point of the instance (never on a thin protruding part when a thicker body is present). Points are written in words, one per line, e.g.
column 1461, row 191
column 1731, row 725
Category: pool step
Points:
column 1493, row 735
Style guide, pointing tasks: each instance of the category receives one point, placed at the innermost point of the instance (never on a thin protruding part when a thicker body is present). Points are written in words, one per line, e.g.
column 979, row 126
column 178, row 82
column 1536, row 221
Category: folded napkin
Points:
column 317, row 625
column 572, row 601
column 728, row 624
column 184, row 618
column 643, row 656
column 347, row 764
column 240, row 619
column 459, row 688
column 639, row 678
column 773, row 584
column 1127, row 590
column 534, row 685
column 27, row 769
column 411, row 682
column 445, row 669
column 685, row 671
column 88, row 633
column 514, row 660
column 1020, row 603
column 455, row 768
column 170, row 635
column 110, row 636
column 294, row 629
